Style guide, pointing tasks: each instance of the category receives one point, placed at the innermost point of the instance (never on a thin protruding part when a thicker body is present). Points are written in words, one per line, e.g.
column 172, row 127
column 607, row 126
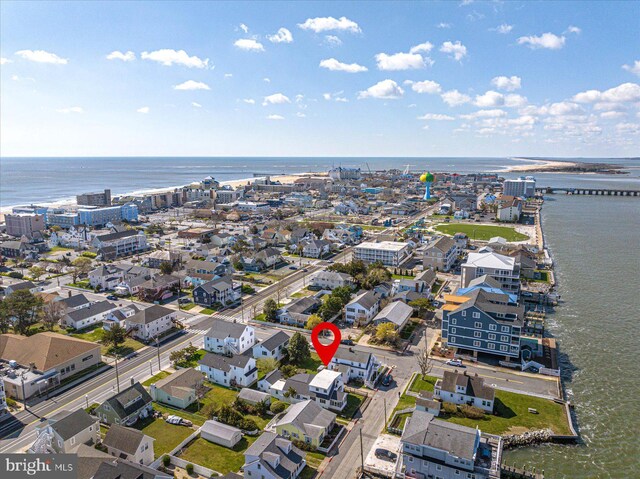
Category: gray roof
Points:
column 22, row 285
column 303, row 304
column 492, row 303
column 485, row 280
column 123, row 438
column 421, row 428
column 89, row 460
column 67, row 424
column 75, row 301
column 117, row 235
column 219, row 284
column 181, row 383
column 474, row 385
column 275, row 340
column 222, row 329
column 444, row 244
column 120, row 402
column 366, row 299
column 269, row 444
column 253, row 396
column 92, row 310
column 428, row 276
column 350, row 354
column 273, row 376
column 218, row 429
column 150, row 314
column 126, row 470
column 309, row 417
column 396, row 312
column 224, row 363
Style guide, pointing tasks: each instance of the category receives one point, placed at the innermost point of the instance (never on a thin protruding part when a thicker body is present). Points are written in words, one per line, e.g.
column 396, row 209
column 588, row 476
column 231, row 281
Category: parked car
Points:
column 386, row 455
column 112, row 297
column 305, row 270
column 293, row 267
column 454, row 362
column 178, row 421
column 184, row 300
column 386, row 381
column 348, row 342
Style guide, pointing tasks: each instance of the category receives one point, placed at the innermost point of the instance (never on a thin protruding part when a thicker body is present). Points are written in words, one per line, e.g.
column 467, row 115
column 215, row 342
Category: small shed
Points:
column 251, row 396
column 219, row 433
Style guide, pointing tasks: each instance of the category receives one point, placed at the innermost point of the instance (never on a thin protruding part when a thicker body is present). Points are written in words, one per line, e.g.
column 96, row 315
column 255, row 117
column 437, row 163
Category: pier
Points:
column 587, row 191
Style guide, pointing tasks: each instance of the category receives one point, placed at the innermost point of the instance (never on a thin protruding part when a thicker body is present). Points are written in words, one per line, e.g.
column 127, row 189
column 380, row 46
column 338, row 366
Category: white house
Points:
column 504, row 269
column 119, row 316
column 326, row 388
column 362, row 309
column 151, row 322
column 226, row 337
column 273, row 457
column 237, row 370
column 130, row 444
column 355, row 365
column 315, row 248
column 509, row 209
column 461, row 388
column 85, row 317
column 273, row 347
column 331, row 280
column 106, row 276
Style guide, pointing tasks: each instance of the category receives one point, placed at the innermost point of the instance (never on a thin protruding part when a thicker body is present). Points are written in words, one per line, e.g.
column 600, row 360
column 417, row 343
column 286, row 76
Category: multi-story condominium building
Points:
column 122, row 243
column 253, row 207
column 341, row 173
column 94, row 199
column 24, row 224
column 226, row 337
column 62, row 219
column 226, row 196
column 94, row 216
column 504, row 269
column 389, row 253
column 432, row 448
column 485, row 323
column 441, row 254
column 509, row 208
column 523, row 186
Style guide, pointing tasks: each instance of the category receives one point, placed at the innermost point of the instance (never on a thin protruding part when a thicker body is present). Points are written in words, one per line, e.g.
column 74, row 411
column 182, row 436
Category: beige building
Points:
column 24, row 224
column 130, row 444
column 441, row 254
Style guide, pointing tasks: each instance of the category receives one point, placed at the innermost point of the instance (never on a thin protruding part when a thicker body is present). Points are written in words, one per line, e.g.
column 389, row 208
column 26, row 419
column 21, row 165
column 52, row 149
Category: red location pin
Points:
column 326, row 351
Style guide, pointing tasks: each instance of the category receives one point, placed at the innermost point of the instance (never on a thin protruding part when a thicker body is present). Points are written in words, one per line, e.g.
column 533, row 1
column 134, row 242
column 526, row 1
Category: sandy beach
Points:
column 537, row 165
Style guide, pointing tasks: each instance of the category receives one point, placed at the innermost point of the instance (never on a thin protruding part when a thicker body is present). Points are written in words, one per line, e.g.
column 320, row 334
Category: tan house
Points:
column 441, row 254
column 178, row 389
column 130, row 444
column 63, row 432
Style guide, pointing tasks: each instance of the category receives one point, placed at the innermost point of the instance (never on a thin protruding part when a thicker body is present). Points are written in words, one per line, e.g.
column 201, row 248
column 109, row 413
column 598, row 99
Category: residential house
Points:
column 226, row 337
column 299, row 235
column 119, row 316
column 503, row 269
column 220, row 433
column 14, row 249
column 462, row 240
column 178, row 389
column 39, row 362
column 218, row 291
column 129, row 444
column 269, row 380
column 421, row 284
column 316, row 248
column 435, row 448
column 205, row 270
column 396, row 313
column 273, row 457
column 297, row 312
column 115, row 469
column 21, row 286
column 106, row 276
column 64, row 431
column 306, row 422
column 238, row 370
column 151, row 322
column 326, row 388
column 274, row 347
column 330, row 280
column 461, row 388
column 485, row 323
column 126, row 407
column 441, row 254
column 160, row 257
column 355, row 365
column 121, row 243
column 262, row 260
column 159, row 287
column 509, row 209
column 425, row 401
column 362, row 309
column 77, row 301
column 85, row 317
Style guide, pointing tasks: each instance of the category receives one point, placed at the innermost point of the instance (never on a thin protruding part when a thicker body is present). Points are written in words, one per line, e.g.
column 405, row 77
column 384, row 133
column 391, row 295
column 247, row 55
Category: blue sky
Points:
column 320, row 78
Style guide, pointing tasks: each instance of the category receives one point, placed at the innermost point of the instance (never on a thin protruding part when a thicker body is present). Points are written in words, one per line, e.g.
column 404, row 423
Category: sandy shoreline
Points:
column 537, row 165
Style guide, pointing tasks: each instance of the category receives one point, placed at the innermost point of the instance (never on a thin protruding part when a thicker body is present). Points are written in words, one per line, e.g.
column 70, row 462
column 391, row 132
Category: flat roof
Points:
column 383, row 245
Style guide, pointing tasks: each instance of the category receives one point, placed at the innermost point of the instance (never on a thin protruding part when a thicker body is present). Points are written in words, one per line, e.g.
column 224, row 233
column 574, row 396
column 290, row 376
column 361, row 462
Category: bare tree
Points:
column 423, row 356
column 52, row 314
column 201, row 392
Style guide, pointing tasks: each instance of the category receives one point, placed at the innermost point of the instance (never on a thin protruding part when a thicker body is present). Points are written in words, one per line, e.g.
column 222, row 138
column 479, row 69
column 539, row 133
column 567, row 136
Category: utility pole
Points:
column 385, row 413
column 24, row 396
column 361, row 453
column 158, row 351
column 150, row 367
column 86, row 400
column 117, row 376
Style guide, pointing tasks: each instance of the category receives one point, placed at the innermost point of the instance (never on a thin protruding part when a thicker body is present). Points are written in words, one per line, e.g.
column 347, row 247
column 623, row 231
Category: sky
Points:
column 465, row 78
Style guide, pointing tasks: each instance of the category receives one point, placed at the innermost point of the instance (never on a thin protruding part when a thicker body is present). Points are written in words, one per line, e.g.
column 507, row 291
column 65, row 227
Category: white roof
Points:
column 383, row 245
column 218, row 429
column 489, row 259
column 324, row 379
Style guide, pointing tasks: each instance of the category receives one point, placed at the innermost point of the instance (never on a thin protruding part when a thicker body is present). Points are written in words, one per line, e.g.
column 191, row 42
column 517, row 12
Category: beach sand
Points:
column 537, row 165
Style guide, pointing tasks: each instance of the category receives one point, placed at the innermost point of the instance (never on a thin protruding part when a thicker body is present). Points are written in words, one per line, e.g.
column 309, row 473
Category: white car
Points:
column 454, row 362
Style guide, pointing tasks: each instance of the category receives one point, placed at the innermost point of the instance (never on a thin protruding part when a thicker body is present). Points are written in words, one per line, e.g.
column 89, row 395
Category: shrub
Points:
column 89, row 254
column 166, row 460
column 471, row 412
column 11, row 402
column 16, row 275
column 449, row 408
column 277, row 407
column 189, row 468
column 303, row 446
column 248, row 424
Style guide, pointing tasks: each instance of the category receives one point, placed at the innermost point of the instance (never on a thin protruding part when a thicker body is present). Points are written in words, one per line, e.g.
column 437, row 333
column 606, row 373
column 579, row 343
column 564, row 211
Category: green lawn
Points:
column 353, row 403
column 95, row 334
column 208, row 311
column 311, row 365
column 167, row 436
column 308, row 472
column 188, row 306
column 194, row 417
column 58, row 249
column 409, row 328
column 83, row 284
column 314, row 459
column 401, row 276
column 216, row 457
column 420, row 384
column 481, row 232
column 156, row 378
column 193, row 362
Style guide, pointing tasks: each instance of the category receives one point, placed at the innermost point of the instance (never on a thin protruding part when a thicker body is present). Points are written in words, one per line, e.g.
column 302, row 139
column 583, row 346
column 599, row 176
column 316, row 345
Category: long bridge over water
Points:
column 549, row 190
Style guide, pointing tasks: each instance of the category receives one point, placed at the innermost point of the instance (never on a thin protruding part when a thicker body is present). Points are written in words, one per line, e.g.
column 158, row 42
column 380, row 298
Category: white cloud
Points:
column 128, row 56
column 503, row 29
column 455, row 98
column 249, row 45
column 574, row 29
column 275, row 117
column 426, row 86
column 228, row 75
column 489, row 99
column 144, row 109
column 494, row 113
column 507, row 83
column 333, row 40
column 324, row 24
column 326, row 96
column 385, row 89
column 266, row 80
column 40, row 56
column 443, row 25
column 335, row 97
column 436, row 117
column 628, row 127
column 169, row 57
column 275, row 99
column 399, row 61
column 546, row 40
column 626, row 92
column 564, row 108
column 244, row 28
column 192, row 85
column 635, row 68
column 249, row 101
column 514, row 101
column 608, row 115
column 4, row 61
column 425, row 47
column 457, row 50
column 336, row 66
column 73, row 109
column 301, row 115
column 196, row 105
column 281, row 36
